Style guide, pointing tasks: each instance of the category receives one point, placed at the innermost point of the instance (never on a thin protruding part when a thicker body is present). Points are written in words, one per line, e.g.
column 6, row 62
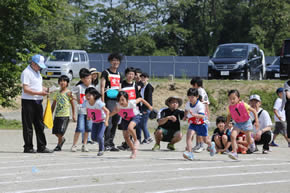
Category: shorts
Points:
column 167, row 135
column 124, row 123
column 244, row 126
column 60, row 125
column 280, row 127
column 201, row 130
column 83, row 125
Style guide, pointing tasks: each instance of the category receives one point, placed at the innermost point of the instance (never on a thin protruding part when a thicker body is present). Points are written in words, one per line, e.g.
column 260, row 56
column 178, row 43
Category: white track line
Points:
column 136, row 172
column 177, row 178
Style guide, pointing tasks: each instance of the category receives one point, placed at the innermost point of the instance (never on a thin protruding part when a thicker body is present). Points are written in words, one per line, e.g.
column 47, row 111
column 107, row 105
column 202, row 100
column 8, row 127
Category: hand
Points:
column 258, row 135
column 43, row 93
column 257, row 125
column 172, row 118
column 184, row 118
column 74, row 118
column 106, row 123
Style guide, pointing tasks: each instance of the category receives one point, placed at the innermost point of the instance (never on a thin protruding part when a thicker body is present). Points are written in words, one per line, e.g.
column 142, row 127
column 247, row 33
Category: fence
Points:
column 160, row 66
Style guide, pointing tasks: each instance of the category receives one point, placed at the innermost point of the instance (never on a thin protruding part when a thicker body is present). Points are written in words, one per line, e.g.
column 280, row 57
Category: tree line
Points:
column 133, row 27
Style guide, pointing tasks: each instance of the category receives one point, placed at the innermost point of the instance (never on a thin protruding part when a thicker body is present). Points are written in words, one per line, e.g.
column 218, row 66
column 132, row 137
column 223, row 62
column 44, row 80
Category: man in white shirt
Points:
column 264, row 135
column 31, row 103
column 279, row 117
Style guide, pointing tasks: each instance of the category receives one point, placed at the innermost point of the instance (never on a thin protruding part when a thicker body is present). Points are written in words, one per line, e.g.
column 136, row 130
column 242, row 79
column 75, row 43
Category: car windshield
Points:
column 276, row 62
column 231, row 51
column 61, row 56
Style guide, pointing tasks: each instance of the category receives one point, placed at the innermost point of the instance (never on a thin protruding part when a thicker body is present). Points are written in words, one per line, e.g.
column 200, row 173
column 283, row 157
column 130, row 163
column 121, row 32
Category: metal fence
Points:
column 160, row 66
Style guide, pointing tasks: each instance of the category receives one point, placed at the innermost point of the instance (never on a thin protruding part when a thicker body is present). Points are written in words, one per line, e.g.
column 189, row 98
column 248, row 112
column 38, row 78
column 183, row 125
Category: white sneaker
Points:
column 199, row 150
column 85, row 149
column 74, row 148
column 195, row 147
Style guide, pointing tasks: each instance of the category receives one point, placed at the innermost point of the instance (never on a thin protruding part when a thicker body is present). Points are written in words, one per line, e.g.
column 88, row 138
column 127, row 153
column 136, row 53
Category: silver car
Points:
column 66, row 62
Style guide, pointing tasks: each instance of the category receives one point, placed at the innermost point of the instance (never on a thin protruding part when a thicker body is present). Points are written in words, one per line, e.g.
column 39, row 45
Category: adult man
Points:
column 264, row 135
column 110, row 84
column 32, row 111
column 169, row 124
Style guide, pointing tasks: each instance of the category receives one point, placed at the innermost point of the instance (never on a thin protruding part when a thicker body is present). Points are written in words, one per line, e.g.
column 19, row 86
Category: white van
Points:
column 66, row 62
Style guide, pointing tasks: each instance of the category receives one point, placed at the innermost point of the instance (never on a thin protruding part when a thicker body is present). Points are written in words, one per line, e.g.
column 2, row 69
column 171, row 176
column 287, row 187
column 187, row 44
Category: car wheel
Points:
column 70, row 76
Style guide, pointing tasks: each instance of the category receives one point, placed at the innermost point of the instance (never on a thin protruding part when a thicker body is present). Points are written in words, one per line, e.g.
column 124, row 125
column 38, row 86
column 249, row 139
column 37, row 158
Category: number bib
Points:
column 239, row 112
column 127, row 114
column 131, row 92
column 196, row 121
column 95, row 115
column 114, row 81
column 82, row 98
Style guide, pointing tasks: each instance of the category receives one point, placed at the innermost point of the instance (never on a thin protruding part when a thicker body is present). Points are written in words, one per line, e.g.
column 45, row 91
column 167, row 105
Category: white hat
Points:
column 255, row 97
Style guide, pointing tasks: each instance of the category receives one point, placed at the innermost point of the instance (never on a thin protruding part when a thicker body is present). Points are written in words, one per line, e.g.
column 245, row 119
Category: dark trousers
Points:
column 266, row 137
column 288, row 122
column 32, row 114
column 113, row 123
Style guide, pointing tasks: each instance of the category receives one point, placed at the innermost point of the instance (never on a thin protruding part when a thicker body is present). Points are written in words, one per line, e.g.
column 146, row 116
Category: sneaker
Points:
column 212, row 149
column 233, row 156
column 195, row 147
column 274, row 144
column 156, row 147
column 29, row 151
column 252, row 147
column 108, row 148
column 136, row 144
column 84, row 148
column 188, row 155
column 133, row 154
column 45, row 150
column 91, row 142
column 171, row 147
column 100, row 153
column 57, row 148
column 114, row 149
column 123, row 146
column 265, row 151
column 74, row 148
column 199, row 150
column 147, row 141
column 62, row 142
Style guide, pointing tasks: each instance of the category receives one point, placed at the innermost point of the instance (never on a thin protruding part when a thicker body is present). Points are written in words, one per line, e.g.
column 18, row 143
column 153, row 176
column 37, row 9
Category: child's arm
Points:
column 53, row 106
column 277, row 115
column 185, row 115
column 199, row 116
column 107, row 112
column 102, row 88
column 114, row 112
column 256, row 117
column 138, row 100
column 72, row 107
column 88, row 117
column 228, row 121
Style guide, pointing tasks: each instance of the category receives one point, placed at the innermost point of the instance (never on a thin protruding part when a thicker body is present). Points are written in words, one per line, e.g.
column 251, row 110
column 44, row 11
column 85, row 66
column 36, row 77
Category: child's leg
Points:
column 86, row 135
column 76, row 137
column 249, row 137
column 132, row 131
column 206, row 140
column 217, row 141
column 225, row 140
column 59, row 137
column 234, row 135
column 158, row 136
column 189, row 135
column 100, row 135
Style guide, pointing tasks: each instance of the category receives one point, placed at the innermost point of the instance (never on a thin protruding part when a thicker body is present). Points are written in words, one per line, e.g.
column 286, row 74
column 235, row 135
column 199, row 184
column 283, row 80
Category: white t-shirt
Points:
column 264, row 119
column 131, row 105
column 34, row 81
column 277, row 106
column 198, row 108
column 203, row 95
column 79, row 92
column 99, row 104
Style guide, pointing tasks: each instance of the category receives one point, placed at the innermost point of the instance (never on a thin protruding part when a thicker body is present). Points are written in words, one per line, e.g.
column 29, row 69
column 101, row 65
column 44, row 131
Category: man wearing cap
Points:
column 31, row 103
column 169, row 124
column 264, row 135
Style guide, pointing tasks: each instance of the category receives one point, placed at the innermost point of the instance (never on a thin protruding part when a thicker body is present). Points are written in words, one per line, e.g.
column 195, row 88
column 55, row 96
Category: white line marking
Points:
column 177, row 178
column 136, row 172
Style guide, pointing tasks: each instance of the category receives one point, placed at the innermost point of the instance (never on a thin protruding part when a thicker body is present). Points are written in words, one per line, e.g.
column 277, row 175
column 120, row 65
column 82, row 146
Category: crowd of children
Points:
column 113, row 102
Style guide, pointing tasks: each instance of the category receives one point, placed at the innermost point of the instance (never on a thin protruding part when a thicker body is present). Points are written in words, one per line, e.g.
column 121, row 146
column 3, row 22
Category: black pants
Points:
column 287, row 111
column 113, row 123
column 31, row 113
column 265, row 140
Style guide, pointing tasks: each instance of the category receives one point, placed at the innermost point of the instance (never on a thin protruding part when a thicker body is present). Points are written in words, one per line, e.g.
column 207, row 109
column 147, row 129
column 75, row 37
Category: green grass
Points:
column 10, row 124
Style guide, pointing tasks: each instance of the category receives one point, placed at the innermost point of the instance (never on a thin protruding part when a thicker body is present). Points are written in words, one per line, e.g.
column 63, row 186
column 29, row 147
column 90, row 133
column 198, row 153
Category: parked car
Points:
column 273, row 69
column 285, row 60
column 237, row 60
column 66, row 62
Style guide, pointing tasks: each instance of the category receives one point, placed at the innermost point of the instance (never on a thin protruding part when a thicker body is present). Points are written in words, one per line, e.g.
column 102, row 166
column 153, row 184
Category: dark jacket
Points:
column 148, row 92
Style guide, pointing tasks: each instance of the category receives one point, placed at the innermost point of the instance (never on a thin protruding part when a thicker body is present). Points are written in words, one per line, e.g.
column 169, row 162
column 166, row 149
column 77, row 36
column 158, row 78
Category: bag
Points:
column 153, row 114
column 112, row 93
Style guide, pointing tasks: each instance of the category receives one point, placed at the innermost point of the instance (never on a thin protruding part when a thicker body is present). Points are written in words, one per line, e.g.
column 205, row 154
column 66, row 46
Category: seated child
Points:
column 221, row 136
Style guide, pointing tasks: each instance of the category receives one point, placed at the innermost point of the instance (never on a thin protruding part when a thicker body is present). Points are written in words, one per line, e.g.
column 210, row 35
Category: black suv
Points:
column 237, row 60
column 285, row 60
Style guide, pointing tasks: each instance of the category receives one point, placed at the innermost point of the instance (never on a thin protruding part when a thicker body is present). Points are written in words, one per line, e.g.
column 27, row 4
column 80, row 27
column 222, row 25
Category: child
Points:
column 62, row 100
column 130, row 114
column 99, row 114
column 279, row 117
column 195, row 112
column 83, row 125
column 242, row 143
column 196, row 82
column 221, row 136
column 146, row 94
column 239, row 112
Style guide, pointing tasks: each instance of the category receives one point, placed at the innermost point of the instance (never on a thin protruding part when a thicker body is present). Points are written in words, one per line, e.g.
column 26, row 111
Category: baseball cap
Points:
column 255, row 97
column 279, row 90
column 39, row 60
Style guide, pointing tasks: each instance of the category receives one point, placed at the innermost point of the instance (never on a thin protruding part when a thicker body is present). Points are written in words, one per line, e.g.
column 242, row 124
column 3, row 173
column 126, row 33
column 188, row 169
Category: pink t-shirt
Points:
column 240, row 112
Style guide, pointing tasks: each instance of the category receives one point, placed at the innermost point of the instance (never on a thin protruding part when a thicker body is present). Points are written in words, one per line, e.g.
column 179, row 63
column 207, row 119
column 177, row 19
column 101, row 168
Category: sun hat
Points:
column 179, row 100
column 39, row 60
column 255, row 97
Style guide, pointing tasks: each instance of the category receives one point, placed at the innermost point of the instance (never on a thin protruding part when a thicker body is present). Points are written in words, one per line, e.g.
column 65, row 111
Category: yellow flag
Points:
column 47, row 118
